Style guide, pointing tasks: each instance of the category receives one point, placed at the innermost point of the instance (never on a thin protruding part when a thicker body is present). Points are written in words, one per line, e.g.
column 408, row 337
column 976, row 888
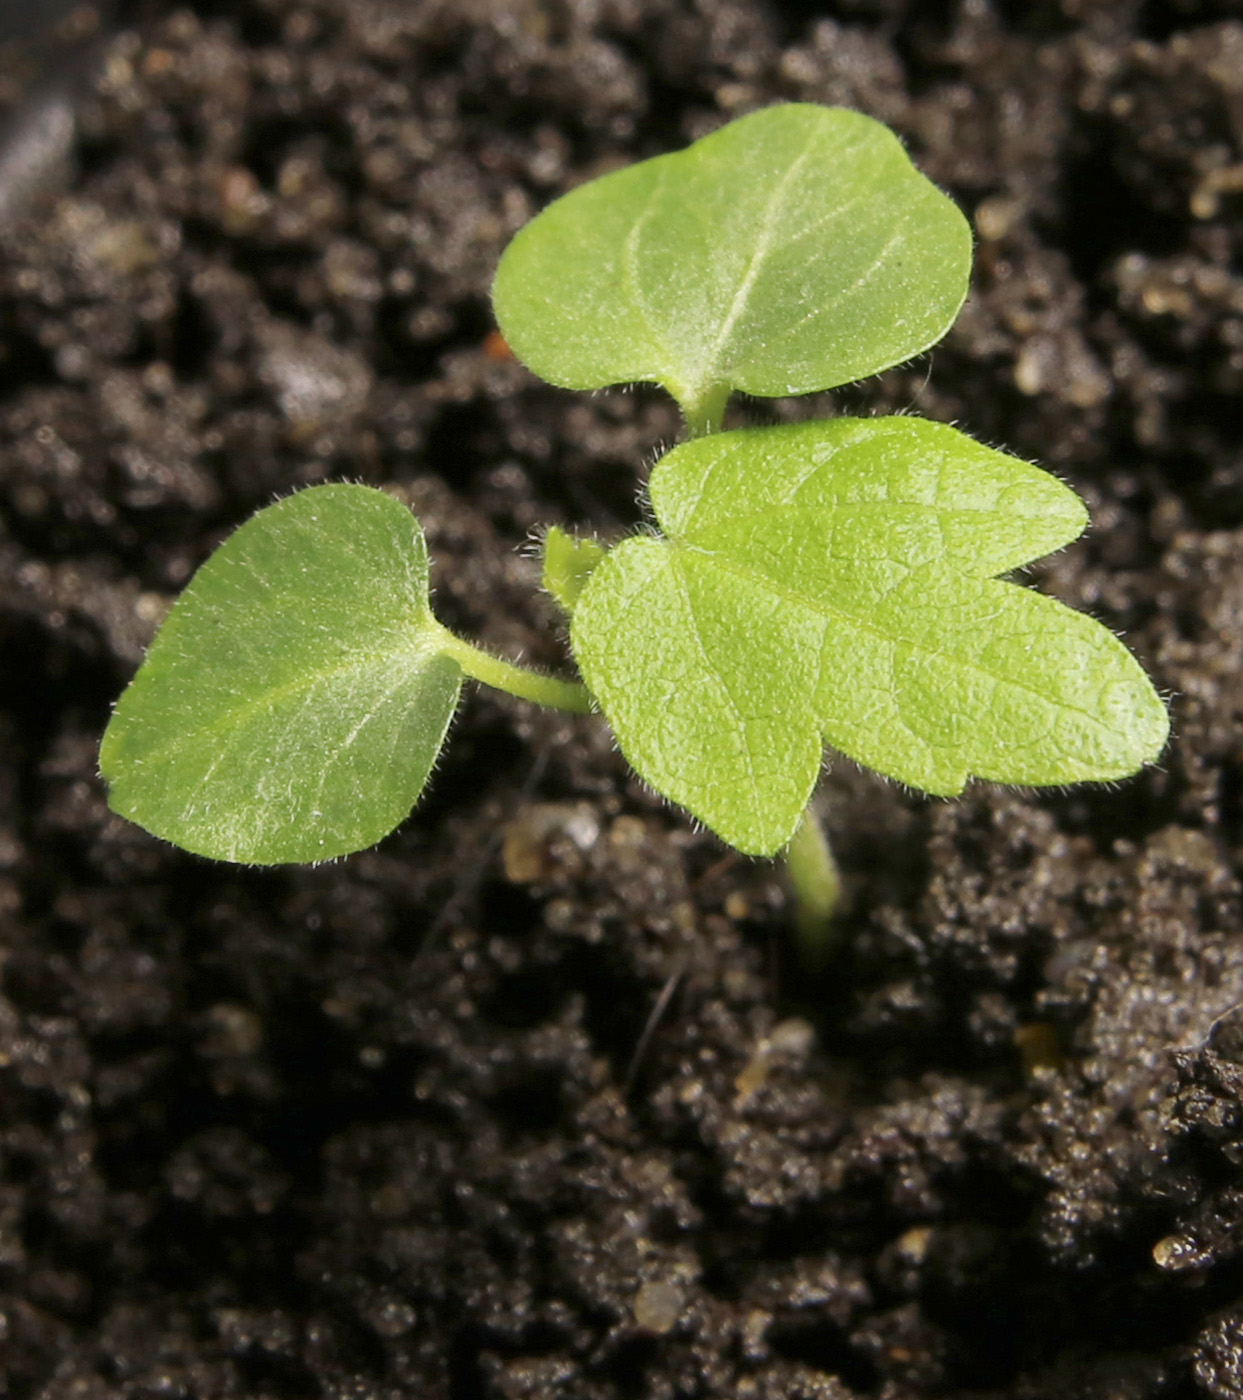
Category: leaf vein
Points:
column 763, row 243
column 863, row 624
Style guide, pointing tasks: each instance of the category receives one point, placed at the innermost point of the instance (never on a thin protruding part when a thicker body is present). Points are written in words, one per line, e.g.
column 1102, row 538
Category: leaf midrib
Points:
column 760, row 251
column 277, row 695
column 790, row 595
column 939, row 514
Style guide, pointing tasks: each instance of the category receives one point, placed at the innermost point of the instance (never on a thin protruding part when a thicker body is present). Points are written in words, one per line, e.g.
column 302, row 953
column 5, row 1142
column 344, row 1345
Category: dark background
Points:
column 395, row 1127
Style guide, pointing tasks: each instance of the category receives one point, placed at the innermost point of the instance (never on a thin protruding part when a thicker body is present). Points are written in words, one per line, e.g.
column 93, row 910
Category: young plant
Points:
column 830, row 582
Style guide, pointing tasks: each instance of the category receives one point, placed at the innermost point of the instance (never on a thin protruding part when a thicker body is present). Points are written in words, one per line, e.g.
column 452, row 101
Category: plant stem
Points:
column 817, row 888
column 517, row 680
column 704, row 414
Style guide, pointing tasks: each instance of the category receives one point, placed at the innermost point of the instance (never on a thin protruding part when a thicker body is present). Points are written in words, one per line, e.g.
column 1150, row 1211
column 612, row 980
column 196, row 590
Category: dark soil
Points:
column 399, row 1127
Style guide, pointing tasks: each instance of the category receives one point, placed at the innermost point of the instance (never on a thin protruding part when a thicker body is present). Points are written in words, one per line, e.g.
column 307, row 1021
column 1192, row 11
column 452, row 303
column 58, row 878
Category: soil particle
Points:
column 527, row 1101
column 1219, row 1356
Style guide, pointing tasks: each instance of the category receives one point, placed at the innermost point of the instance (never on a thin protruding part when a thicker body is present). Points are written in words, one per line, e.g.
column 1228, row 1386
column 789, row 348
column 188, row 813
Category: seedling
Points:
column 830, row 582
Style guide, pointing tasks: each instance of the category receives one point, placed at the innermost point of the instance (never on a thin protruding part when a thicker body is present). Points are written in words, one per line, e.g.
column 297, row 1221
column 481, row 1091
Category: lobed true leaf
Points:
column 832, row 582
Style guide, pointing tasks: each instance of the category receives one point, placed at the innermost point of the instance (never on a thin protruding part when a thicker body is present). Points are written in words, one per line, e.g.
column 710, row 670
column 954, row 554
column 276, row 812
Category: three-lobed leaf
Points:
column 834, row 582
column 295, row 699
column 793, row 250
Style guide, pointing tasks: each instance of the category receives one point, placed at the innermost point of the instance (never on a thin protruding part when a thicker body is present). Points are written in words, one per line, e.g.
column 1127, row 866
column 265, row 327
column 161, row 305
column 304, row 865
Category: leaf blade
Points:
column 793, row 250
column 1014, row 687
column 985, row 510
column 295, row 699
column 907, row 656
column 735, row 756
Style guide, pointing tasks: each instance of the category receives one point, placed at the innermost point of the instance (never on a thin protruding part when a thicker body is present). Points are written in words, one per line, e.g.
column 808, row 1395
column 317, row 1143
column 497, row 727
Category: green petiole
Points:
column 705, row 414
column 817, row 887
column 525, row 684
